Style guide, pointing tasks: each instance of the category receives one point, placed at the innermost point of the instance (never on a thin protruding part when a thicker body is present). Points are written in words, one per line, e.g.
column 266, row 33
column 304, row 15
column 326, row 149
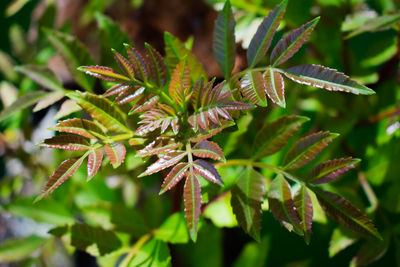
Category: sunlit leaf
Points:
column 291, row 43
column 42, row 76
column 247, row 197
column 179, row 85
column 224, row 40
column 67, row 142
column 340, row 240
column 275, row 87
column 173, row 230
column 215, row 129
column 376, row 24
column 48, row 101
column 330, row 170
column 80, row 127
column 252, row 87
column 94, row 162
column 18, row 249
column 154, row 119
column 304, row 209
column 174, row 176
column 154, row 253
column 165, row 161
column 159, row 146
column 207, row 171
column 208, row 149
column 192, row 199
column 116, row 153
column 125, row 65
column 67, row 107
column 104, row 73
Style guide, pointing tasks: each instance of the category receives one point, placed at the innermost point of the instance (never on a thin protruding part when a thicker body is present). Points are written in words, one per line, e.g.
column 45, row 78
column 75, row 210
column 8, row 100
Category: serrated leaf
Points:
column 202, row 135
column 342, row 211
column 67, row 142
column 159, row 70
column 50, row 99
column 94, row 162
column 304, row 209
column 224, row 40
column 192, row 199
column 159, row 146
column 174, row 176
column 207, row 171
column 17, row 249
column 104, row 73
column 125, row 65
column 306, row 149
column 247, row 197
column 208, row 149
column 179, row 85
column 80, row 127
column 66, row 169
column 74, row 55
column 252, row 87
column 275, row 87
column 42, row 75
column 22, row 102
column 102, row 110
column 275, row 134
column 139, row 62
column 326, row 78
column 116, row 153
column 144, row 104
column 282, row 205
column 291, row 43
column 165, row 161
column 330, row 170
column 157, row 118
column 261, row 40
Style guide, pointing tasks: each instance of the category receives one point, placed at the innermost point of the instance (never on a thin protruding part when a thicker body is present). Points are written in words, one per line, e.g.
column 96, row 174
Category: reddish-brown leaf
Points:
column 67, row 142
column 159, row 146
column 208, row 149
column 104, row 73
column 192, row 199
column 330, row 170
column 174, row 176
column 207, row 171
column 275, row 87
column 124, row 64
column 116, row 153
column 165, row 161
column 94, row 162
column 304, row 208
column 81, row 127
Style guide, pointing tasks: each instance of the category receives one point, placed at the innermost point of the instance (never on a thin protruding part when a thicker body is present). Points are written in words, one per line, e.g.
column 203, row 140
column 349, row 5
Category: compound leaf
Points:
column 252, row 87
column 174, row 176
column 67, row 142
column 207, row 171
column 80, row 127
column 330, row 170
column 275, row 86
column 165, row 161
column 192, row 199
column 208, row 149
column 94, row 162
column 304, row 208
column 116, row 153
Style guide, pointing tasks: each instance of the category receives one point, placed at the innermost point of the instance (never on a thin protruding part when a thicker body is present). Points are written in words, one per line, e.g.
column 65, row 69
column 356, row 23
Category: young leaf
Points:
column 192, row 199
column 174, row 176
column 67, row 107
column 208, row 149
column 330, row 170
column 102, row 110
column 116, row 153
column 42, row 75
column 326, row 78
column 252, row 87
column 261, row 41
column 247, row 197
column 160, row 145
column 282, row 205
column 275, row 134
column 165, row 161
column 66, row 169
column 224, row 40
column 275, row 86
column 144, row 104
column 94, row 162
column 291, row 43
column 179, row 85
column 104, row 73
column 342, row 211
column 80, row 127
column 306, row 149
column 207, row 171
column 125, row 65
column 304, row 208
column 67, row 142
column 157, row 118
column 138, row 61
column 22, row 103
column 215, row 129
column 159, row 70
column 49, row 100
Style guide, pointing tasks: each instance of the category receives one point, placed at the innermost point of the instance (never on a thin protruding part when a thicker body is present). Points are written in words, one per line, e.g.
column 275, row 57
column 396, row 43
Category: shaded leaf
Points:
column 376, row 24
column 192, row 199
column 165, row 161
column 42, row 75
column 330, row 170
column 326, row 78
column 94, row 162
column 116, row 153
column 67, row 107
column 370, row 252
column 291, row 43
column 306, row 149
column 252, row 87
column 275, row 87
column 275, row 134
column 261, row 41
column 18, row 249
column 208, row 149
column 139, row 62
column 174, row 176
column 247, row 197
column 342, row 211
column 173, row 230
column 159, row 70
column 125, row 65
column 104, row 73
column 340, row 240
column 207, row 171
column 49, row 100
column 81, row 127
column 128, row 220
column 304, row 209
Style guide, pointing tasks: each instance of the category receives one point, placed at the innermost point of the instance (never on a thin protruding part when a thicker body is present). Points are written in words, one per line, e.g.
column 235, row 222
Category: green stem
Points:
column 135, row 249
column 119, row 137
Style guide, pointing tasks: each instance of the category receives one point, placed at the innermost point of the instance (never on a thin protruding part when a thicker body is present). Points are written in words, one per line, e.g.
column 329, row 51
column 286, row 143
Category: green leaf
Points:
column 116, row 153
column 275, row 86
column 67, row 142
column 80, row 127
column 224, row 40
column 94, row 162
column 42, row 75
column 66, row 169
column 342, row 211
column 247, row 197
column 282, row 205
column 173, row 230
column 331, row 170
column 84, row 236
column 174, row 176
column 376, row 24
column 261, row 41
column 19, row 248
column 192, row 199
column 292, row 42
column 22, row 103
column 74, row 55
column 252, row 86
column 304, row 209
column 154, row 253
column 176, row 51
column 102, row 110
column 326, row 78
column 128, row 220
column 370, row 252
column 340, row 240
column 275, row 134
column 306, row 149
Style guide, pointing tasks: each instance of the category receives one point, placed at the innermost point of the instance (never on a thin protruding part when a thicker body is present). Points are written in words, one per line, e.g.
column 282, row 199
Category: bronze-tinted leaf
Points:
column 291, row 43
column 261, row 41
column 144, row 104
column 275, row 87
column 67, row 107
column 154, row 119
column 48, row 101
column 306, row 149
column 138, row 61
column 179, row 85
column 330, row 170
column 342, row 211
column 117, row 89
column 215, row 129
column 159, row 70
column 159, row 146
column 275, row 134
column 124, row 64
column 104, row 73
column 174, row 176
column 252, row 87
column 94, row 162
column 81, row 127
column 304, row 208
column 207, row 171
column 192, row 199
column 116, row 153
column 165, row 161
column 130, row 94
column 67, row 142
column 326, row 78
column 208, row 149
column 247, row 197
column 66, row 169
